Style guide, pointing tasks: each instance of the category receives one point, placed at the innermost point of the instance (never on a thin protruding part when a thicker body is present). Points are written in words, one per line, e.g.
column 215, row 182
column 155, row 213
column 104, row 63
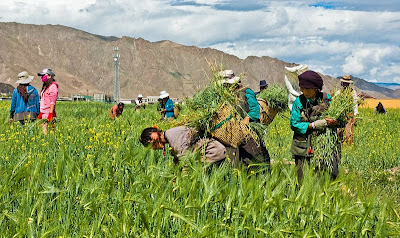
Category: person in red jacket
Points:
column 117, row 110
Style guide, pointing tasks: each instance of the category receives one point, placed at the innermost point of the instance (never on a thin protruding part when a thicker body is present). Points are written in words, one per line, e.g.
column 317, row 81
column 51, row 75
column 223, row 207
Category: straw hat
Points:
column 24, row 78
column 227, row 76
column 346, row 79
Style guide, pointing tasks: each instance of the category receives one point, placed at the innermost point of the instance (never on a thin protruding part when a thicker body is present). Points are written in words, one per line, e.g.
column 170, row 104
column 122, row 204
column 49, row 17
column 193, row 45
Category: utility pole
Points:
column 116, row 75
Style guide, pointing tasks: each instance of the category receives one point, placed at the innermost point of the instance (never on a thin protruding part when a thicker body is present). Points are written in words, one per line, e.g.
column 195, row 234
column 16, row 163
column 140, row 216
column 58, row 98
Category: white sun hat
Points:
column 24, row 78
column 163, row 94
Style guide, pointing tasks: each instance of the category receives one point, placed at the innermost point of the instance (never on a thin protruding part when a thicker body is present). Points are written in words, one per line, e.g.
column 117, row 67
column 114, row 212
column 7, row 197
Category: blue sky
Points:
column 361, row 38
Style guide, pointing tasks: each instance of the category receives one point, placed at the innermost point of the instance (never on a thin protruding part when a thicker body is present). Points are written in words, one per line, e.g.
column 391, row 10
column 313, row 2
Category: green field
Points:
column 92, row 178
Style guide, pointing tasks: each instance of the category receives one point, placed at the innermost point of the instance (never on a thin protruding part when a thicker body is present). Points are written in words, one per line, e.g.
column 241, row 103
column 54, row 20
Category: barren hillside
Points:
column 83, row 62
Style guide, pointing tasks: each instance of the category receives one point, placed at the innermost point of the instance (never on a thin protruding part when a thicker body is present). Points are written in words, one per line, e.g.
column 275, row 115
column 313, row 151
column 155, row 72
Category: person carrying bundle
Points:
column 250, row 150
column 346, row 81
column 304, row 121
column 182, row 139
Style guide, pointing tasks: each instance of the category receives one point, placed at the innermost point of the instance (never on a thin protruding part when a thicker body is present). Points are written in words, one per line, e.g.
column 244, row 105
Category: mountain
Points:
column 83, row 62
column 6, row 88
column 397, row 93
column 374, row 90
column 392, row 86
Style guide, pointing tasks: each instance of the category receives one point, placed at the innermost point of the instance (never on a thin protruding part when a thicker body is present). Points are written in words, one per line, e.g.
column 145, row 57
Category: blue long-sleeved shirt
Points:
column 254, row 107
column 296, row 124
column 18, row 105
column 169, row 108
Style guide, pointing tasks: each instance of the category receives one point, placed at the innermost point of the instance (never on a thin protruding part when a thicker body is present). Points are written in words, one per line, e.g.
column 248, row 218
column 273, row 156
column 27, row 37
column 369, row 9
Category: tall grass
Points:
column 93, row 178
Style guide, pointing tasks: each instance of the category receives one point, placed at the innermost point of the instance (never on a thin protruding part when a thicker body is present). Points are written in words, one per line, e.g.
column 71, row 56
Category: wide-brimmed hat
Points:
column 346, row 79
column 46, row 71
column 24, row 78
column 263, row 83
column 140, row 96
column 227, row 76
column 163, row 94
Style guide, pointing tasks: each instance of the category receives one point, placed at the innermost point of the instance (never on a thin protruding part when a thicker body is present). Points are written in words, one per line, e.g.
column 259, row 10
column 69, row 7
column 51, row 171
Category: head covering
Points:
column 140, row 96
column 346, row 79
column 120, row 104
column 227, row 76
column 24, row 78
column 163, row 94
column 263, row 83
column 46, row 71
column 310, row 79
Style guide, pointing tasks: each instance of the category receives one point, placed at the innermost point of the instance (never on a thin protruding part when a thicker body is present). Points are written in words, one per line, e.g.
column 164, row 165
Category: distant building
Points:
column 101, row 97
column 81, row 98
column 154, row 99
column 151, row 99
column 127, row 101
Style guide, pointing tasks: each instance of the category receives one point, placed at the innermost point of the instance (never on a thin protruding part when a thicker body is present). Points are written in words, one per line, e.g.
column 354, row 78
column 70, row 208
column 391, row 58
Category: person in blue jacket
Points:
column 168, row 105
column 25, row 104
column 305, row 121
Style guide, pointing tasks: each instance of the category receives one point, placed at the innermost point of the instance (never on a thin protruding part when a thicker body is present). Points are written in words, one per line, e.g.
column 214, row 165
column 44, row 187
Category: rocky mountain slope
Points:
column 83, row 62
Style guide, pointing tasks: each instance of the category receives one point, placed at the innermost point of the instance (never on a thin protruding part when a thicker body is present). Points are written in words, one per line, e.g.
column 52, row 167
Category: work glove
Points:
column 50, row 117
column 40, row 116
column 320, row 124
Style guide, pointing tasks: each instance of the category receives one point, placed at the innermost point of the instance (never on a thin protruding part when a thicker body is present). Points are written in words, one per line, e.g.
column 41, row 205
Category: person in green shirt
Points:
column 305, row 120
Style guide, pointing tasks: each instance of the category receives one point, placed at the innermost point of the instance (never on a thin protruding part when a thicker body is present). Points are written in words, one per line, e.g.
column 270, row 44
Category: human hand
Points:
column 320, row 124
column 331, row 122
column 246, row 120
column 50, row 117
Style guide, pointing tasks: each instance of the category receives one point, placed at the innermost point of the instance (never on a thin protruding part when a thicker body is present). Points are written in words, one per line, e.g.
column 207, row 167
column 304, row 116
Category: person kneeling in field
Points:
column 181, row 139
column 306, row 111
column 117, row 110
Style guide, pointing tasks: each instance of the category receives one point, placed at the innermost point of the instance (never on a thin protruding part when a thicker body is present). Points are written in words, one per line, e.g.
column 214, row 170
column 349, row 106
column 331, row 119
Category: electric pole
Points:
column 116, row 75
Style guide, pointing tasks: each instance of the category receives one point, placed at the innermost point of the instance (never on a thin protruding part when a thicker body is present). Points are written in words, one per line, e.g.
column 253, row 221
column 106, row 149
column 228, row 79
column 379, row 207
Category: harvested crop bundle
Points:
column 326, row 144
column 219, row 109
column 276, row 96
column 272, row 100
column 341, row 106
column 206, row 103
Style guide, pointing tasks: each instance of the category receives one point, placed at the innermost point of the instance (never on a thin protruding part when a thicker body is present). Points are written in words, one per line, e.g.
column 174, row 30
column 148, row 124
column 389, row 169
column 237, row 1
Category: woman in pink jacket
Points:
column 48, row 98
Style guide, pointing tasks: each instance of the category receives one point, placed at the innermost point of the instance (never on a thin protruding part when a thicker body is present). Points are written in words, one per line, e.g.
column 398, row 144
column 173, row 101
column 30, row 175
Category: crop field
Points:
column 92, row 178
column 387, row 103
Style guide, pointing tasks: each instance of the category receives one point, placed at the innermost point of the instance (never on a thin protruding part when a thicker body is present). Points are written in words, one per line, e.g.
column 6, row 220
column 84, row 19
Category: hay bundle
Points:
column 213, row 110
column 326, row 144
column 272, row 100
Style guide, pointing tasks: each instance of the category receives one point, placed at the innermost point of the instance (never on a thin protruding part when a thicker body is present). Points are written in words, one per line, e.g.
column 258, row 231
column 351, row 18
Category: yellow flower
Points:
column 30, row 220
